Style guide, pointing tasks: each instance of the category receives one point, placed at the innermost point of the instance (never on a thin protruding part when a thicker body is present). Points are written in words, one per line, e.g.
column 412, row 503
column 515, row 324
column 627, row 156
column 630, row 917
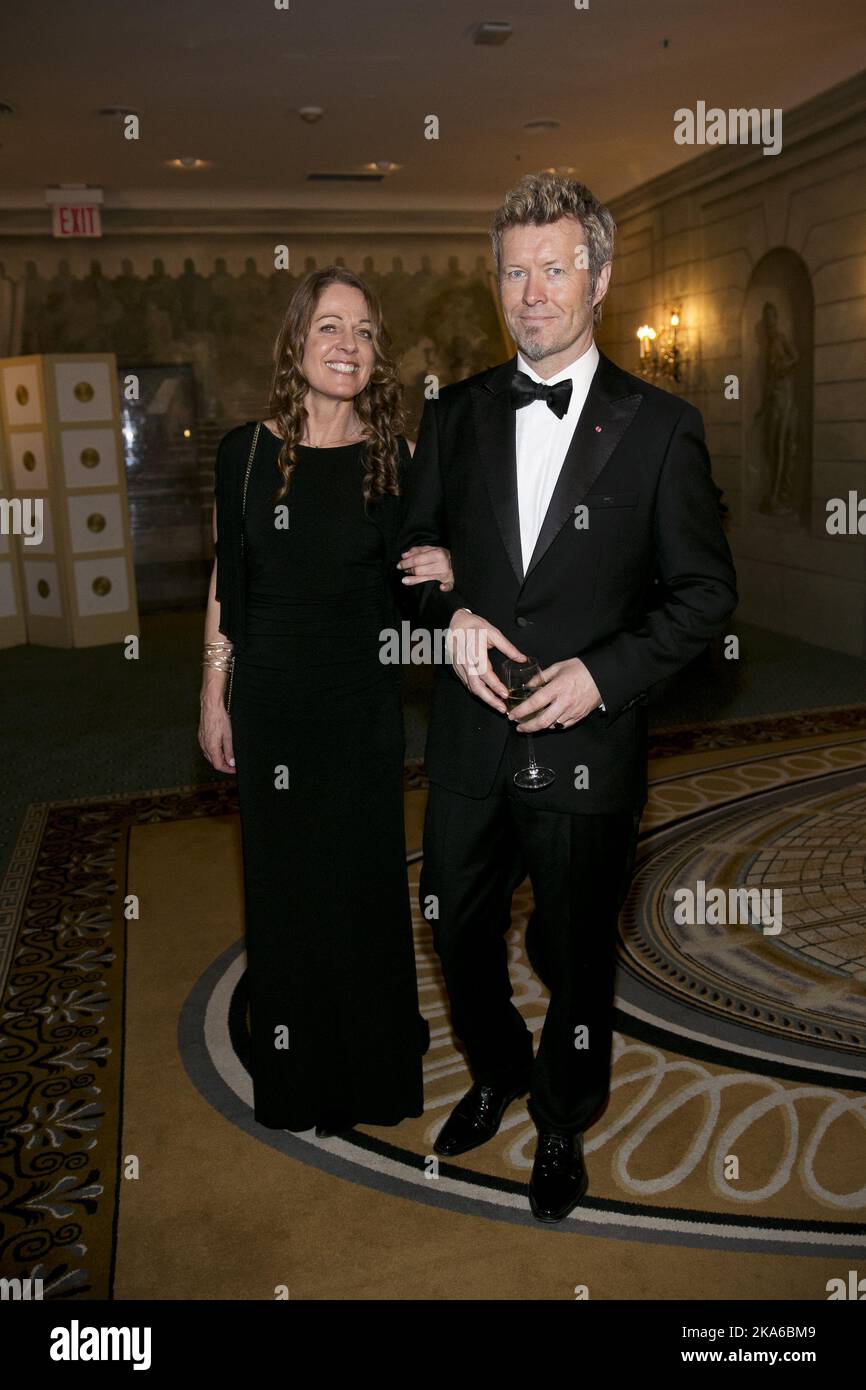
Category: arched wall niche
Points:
column 778, row 390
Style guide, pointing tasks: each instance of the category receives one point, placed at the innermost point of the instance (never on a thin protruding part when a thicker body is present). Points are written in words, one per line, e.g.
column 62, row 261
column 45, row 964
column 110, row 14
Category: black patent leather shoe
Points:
column 559, row 1177
column 475, row 1118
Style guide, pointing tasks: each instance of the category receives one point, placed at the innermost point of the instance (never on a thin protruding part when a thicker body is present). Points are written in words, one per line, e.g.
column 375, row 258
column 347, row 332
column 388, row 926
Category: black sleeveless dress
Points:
column 336, row 1034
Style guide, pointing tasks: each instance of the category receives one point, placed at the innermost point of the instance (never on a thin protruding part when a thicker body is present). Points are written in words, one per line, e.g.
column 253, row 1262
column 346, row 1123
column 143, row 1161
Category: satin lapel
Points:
column 494, row 428
column 606, row 415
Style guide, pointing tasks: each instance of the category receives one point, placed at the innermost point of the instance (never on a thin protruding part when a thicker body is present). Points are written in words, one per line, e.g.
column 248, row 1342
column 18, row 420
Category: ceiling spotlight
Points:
column 491, row 32
column 311, row 114
column 539, row 127
column 380, row 166
column 188, row 161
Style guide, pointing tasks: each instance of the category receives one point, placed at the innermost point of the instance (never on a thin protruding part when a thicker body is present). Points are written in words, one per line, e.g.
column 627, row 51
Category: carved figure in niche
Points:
column 780, row 418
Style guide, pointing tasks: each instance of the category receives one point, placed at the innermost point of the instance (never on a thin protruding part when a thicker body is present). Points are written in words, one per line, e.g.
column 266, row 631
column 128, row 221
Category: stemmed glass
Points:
column 518, row 677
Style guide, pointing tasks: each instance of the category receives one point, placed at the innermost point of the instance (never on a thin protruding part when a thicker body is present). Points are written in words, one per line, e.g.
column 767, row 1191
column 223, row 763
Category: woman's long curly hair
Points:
column 379, row 406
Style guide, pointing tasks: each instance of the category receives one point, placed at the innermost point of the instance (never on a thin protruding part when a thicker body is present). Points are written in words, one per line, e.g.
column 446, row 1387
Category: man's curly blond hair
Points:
column 541, row 198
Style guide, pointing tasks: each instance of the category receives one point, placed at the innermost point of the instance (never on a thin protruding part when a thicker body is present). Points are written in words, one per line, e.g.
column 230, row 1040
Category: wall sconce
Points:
column 646, row 334
column 663, row 354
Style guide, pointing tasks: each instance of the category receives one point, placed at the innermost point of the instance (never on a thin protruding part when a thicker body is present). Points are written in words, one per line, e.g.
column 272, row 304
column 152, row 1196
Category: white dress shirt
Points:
column 542, row 442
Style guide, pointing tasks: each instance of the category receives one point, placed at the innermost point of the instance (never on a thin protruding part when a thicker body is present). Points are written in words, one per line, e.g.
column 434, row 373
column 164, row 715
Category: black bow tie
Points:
column 524, row 391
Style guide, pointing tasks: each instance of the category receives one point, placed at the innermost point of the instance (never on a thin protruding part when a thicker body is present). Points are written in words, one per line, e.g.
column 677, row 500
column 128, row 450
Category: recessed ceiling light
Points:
column 491, row 31
column 538, row 127
column 311, row 114
column 188, row 161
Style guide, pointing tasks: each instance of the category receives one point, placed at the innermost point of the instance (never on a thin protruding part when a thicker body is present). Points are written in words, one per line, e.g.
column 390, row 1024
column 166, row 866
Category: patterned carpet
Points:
column 736, row 1121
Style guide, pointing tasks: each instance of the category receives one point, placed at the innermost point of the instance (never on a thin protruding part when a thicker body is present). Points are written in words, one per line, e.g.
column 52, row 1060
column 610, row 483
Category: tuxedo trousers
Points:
column 477, row 852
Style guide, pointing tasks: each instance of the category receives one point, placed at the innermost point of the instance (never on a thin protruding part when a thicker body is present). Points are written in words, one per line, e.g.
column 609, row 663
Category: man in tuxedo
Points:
column 584, row 528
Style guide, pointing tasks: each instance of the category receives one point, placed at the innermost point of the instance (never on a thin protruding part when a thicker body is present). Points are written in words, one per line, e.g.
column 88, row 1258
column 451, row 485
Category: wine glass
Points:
column 517, row 676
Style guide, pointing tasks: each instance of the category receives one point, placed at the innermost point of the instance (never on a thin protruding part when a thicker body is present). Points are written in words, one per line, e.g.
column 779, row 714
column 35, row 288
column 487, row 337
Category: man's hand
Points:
column 568, row 695
column 425, row 562
column 470, row 637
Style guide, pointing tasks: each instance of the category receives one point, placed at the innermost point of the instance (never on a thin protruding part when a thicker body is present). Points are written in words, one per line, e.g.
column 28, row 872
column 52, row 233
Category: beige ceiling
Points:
column 223, row 80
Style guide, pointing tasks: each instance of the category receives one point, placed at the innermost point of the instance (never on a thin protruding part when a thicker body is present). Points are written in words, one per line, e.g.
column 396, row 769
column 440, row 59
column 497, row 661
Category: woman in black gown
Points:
column 304, row 584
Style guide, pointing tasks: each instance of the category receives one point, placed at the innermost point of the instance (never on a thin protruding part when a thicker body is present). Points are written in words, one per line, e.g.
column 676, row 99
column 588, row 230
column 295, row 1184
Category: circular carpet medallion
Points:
column 737, row 1115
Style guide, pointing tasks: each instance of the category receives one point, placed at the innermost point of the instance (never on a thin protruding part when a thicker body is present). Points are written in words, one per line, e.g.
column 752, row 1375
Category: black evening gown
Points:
column 336, row 1034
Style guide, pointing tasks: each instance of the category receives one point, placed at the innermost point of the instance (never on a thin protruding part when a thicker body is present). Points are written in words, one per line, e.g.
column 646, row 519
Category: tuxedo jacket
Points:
column 631, row 572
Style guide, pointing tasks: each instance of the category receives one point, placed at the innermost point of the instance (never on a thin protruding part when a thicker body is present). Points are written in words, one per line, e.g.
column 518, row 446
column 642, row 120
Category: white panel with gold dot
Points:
column 42, row 587
column 21, row 394
column 89, row 457
column 100, row 586
column 27, row 461
column 95, row 521
column 83, row 391
column 8, row 606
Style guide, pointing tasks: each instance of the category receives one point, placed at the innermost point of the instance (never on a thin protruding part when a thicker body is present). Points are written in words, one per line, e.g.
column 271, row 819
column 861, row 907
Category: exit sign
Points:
column 75, row 219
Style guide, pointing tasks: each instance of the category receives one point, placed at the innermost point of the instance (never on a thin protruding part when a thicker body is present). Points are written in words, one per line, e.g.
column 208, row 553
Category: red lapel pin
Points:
column 598, row 429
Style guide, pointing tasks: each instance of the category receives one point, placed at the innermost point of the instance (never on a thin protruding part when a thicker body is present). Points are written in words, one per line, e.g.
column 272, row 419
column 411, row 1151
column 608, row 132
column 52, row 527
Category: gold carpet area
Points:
column 729, row 1164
